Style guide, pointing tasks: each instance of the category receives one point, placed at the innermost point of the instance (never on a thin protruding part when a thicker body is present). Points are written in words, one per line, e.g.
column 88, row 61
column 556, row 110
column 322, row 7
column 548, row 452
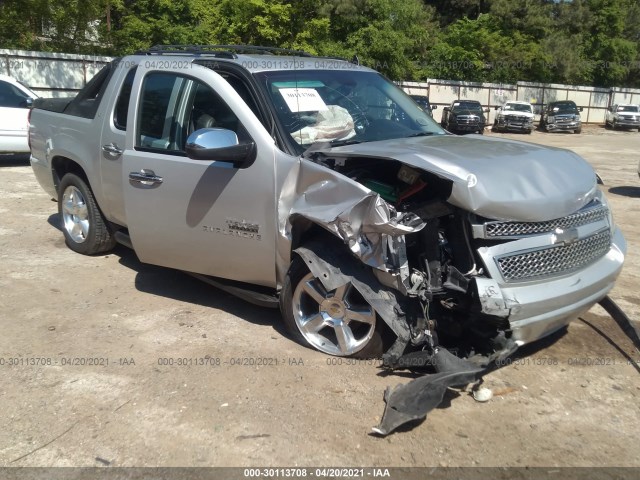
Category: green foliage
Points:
column 591, row 42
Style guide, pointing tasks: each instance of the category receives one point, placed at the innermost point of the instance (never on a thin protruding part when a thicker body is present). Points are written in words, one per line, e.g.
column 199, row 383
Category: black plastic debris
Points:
column 412, row 401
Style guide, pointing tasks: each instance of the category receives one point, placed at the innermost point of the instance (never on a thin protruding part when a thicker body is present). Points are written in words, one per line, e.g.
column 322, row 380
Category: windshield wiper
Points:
column 422, row 134
column 348, row 141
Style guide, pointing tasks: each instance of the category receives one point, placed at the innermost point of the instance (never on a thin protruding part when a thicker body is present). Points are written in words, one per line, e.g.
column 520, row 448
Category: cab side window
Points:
column 173, row 106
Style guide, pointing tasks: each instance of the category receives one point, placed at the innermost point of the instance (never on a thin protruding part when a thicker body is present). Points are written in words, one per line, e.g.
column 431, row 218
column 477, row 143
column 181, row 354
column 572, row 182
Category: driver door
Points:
column 207, row 217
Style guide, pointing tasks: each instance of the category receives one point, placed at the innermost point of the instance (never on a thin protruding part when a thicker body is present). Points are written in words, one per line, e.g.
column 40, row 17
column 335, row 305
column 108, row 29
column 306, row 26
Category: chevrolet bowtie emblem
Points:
column 565, row 237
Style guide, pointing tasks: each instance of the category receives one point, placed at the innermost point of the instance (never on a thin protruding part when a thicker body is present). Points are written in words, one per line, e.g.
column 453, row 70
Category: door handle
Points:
column 145, row 177
column 112, row 149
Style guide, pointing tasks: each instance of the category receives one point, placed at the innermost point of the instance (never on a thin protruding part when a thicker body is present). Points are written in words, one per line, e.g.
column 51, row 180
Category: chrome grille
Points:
column 564, row 119
column 518, row 229
column 554, row 260
column 466, row 120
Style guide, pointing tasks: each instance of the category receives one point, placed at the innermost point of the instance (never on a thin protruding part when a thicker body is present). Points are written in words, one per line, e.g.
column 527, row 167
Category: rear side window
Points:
column 122, row 105
column 86, row 103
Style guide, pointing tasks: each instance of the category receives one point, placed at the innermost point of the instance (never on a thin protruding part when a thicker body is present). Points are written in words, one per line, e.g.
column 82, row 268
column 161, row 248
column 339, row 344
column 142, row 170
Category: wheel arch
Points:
column 61, row 165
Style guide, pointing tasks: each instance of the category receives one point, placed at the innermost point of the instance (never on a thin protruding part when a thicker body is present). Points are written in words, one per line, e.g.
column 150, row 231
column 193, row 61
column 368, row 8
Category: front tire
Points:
column 339, row 323
column 85, row 228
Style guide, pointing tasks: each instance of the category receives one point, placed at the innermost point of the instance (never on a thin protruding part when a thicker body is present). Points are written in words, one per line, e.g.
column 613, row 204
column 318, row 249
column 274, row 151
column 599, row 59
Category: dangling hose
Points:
column 623, row 321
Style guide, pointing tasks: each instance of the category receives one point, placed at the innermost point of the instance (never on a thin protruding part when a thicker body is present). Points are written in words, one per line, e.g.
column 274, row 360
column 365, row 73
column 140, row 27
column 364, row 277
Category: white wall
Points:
column 51, row 74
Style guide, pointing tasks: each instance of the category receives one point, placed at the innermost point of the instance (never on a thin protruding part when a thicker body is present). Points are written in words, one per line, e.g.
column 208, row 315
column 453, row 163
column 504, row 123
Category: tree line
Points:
column 585, row 42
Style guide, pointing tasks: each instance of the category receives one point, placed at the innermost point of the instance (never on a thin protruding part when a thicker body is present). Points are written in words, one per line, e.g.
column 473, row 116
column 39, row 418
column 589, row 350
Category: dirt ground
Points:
column 91, row 354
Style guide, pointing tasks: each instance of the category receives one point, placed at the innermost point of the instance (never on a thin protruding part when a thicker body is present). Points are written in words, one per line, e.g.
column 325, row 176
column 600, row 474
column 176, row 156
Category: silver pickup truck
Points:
column 317, row 185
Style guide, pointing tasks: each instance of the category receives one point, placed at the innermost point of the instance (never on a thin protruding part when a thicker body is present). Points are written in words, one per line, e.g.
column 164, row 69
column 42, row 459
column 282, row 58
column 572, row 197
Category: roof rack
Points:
column 224, row 51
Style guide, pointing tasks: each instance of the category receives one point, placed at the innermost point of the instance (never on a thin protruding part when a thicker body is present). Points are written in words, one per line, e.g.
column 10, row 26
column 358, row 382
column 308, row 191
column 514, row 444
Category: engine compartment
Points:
column 442, row 303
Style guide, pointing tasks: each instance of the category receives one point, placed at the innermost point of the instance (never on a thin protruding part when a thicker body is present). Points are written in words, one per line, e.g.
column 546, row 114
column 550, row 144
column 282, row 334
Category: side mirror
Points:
column 580, row 108
column 434, row 107
column 497, row 108
column 220, row 145
column 27, row 103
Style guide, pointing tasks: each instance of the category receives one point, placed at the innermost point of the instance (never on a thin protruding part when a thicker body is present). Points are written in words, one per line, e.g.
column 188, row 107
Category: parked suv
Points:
column 563, row 115
column 514, row 116
column 318, row 185
column 464, row 116
column 624, row 116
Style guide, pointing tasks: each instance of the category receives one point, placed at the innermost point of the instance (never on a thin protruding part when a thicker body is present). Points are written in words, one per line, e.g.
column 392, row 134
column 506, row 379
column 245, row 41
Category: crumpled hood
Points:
column 495, row 178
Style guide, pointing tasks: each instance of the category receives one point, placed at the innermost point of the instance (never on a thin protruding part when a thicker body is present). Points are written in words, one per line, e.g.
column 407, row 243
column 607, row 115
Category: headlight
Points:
column 576, row 118
column 600, row 196
column 551, row 119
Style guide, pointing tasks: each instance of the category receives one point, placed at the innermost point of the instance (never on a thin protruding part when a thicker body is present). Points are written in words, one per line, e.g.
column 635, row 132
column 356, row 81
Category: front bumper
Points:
column 627, row 123
column 552, row 127
column 537, row 309
column 466, row 127
column 515, row 126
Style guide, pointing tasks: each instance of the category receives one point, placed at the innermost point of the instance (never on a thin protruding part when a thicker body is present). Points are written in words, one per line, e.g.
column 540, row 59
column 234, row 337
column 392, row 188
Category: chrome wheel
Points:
column 75, row 214
column 339, row 322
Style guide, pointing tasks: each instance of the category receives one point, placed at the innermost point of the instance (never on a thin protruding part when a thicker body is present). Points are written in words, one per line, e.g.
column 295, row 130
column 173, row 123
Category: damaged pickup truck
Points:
column 317, row 185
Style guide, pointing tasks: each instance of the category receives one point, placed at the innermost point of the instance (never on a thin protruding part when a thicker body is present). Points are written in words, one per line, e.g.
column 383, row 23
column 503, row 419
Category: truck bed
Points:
column 57, row 105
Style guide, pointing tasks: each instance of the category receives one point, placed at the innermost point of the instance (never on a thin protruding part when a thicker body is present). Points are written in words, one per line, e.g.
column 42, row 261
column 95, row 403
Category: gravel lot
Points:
column 92, row 340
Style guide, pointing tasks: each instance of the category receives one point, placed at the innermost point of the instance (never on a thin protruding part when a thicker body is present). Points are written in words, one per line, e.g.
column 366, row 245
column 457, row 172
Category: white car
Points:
column 515, row 116
column 623, row 115
column 15, row 101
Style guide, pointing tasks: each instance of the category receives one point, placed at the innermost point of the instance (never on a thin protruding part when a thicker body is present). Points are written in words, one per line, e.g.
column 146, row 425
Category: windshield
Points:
column 467, row 107
column 518, row 107
column 423, row 102
column 343, row 107
column 564, row 108
column 628, row 108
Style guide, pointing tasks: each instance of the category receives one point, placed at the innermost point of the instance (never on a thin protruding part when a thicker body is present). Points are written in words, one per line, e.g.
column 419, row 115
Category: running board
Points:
column 245, row 291
column 123, row 239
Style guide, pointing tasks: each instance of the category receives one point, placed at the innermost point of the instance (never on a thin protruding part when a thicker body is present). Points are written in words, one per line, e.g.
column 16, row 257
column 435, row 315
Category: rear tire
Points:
column 85, row 228
column 339, row 323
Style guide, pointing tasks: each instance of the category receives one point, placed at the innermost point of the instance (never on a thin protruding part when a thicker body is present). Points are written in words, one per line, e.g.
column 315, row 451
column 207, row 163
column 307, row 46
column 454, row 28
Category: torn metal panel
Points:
column 336, row 268
column 370, row 227
column 558, row 182
column 491, row 299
